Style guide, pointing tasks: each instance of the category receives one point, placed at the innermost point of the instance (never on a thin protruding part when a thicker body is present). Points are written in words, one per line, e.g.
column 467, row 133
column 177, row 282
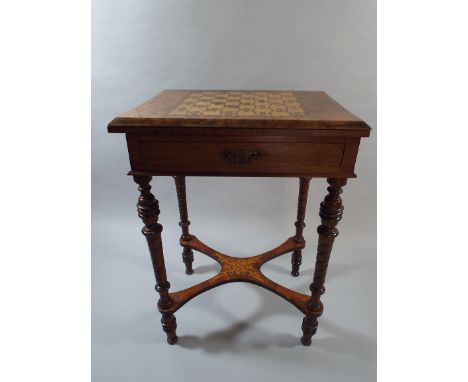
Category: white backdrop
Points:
column 239, row 330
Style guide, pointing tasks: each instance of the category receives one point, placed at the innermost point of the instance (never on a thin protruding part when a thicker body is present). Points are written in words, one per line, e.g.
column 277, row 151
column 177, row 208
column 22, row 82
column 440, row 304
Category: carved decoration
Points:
column 241, row 157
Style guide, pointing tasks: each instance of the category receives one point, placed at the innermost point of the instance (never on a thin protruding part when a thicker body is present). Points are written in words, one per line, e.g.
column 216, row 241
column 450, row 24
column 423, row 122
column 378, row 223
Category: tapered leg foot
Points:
column 296, row 258
column 187, row 257
column 296, row 261
column 187, row 254
column 148, row 211
column 169, row 325
column 309, row 328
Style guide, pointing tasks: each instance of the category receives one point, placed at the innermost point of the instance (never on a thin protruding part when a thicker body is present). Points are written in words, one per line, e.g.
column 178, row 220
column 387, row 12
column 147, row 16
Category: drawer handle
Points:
column 241, row 157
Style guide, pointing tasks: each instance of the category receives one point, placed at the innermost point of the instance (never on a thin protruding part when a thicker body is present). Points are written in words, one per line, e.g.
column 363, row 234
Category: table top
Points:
column 239, row 109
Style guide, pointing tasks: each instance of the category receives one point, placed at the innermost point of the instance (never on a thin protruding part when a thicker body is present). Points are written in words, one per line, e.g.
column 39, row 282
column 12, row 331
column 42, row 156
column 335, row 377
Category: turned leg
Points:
column 148, row 211
column 187, row 253
column 331, row 212
column 296, row 258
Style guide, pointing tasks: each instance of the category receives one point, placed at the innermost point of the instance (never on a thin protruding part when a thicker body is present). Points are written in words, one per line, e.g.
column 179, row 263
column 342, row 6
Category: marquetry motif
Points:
column 240, row 104
column 240, row 267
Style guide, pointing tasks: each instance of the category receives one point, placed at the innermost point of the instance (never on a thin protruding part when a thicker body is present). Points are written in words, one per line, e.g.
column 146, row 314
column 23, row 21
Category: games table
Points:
column 303, row 134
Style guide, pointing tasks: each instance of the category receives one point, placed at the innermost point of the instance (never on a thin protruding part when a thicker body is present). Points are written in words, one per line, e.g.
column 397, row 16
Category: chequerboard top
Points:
column 239, row 104
column 237, row 109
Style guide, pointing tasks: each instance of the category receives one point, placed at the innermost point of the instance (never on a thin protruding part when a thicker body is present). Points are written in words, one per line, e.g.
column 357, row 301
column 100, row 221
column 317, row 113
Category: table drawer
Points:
column 221, row 157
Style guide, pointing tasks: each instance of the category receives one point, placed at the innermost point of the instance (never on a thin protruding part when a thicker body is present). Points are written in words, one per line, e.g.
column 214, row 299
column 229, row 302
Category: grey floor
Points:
column 237, row 331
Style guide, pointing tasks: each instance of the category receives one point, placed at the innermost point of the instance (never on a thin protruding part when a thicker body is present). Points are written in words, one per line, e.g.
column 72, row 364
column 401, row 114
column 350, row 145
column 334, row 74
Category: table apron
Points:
column 243, row 156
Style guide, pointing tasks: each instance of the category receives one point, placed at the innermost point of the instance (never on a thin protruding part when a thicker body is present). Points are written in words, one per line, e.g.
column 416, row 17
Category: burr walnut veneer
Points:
column 301, row 134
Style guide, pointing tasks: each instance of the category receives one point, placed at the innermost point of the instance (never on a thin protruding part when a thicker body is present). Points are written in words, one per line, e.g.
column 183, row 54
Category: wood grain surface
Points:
column 239, row 109
column 300, row 134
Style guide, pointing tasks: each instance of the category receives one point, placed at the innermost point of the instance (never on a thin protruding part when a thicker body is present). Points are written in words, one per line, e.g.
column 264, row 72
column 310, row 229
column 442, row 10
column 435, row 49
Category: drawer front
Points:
column 278, row 158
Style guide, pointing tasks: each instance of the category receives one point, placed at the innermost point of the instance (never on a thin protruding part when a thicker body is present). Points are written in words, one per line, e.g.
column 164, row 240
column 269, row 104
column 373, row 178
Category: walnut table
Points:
column 301, row 134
